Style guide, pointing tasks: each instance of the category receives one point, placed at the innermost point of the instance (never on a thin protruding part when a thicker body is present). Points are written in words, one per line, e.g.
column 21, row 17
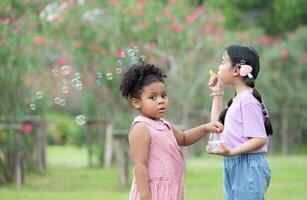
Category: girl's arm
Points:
column 251, row 145
column 139, row 141
column 217, row 107
column 217, row 94
column 193, row 135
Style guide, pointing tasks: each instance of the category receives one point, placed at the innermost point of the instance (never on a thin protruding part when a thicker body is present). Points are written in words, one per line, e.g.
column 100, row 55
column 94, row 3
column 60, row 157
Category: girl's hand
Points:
column 215, row 127
column 215, row 84
column 223, row 151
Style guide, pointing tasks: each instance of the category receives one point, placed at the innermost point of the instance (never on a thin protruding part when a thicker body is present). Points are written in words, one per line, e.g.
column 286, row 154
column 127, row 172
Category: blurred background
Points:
column 64, row 124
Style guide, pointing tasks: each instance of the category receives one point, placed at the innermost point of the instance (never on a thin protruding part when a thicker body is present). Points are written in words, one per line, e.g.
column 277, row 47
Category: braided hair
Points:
column 236, row 54
column 138, row 76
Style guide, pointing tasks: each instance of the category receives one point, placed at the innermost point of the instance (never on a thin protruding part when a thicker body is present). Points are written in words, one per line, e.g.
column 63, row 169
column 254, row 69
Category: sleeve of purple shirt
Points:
column 253, row 121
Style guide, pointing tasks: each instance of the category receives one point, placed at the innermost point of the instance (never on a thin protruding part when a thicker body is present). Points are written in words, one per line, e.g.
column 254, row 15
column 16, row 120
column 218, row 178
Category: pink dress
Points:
column 165, row 162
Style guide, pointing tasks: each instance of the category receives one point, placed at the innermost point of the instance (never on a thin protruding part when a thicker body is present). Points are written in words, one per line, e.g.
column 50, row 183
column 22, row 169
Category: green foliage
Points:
column 275, row 17
column 61, row 128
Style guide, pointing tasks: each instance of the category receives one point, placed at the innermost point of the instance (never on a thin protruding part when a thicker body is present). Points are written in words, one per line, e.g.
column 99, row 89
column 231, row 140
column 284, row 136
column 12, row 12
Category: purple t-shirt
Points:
column 244, row 120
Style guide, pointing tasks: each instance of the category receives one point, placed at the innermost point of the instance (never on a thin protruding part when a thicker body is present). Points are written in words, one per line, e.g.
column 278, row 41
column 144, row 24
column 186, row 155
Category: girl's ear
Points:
column 135, row 103
column 236, row 71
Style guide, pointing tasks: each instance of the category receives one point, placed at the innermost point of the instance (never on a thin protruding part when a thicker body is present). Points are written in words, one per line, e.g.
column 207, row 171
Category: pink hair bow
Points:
column 245, row 70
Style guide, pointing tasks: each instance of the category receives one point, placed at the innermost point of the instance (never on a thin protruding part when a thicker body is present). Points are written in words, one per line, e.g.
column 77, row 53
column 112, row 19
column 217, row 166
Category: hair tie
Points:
column 245, row 70
column 264, row 110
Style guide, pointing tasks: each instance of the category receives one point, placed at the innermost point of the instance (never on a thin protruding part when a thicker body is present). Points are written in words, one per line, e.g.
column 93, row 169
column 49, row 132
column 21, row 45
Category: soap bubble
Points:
column 62, row 102
column 80, row 120
column 109, row 76
column 99, row 75
column 32, row 106
column 39, row 95
column 55, row 72
column 57, row 100
column 98, row 82
column 131, row 52
column 65, row 69
column 118, row 70
column 75, row 82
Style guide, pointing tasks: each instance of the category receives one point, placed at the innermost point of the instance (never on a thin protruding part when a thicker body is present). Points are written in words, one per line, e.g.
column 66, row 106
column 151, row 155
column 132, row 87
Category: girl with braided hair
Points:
column 246, row 125
column 154, row 142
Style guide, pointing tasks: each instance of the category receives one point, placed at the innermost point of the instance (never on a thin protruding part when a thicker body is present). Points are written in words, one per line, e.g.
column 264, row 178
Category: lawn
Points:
column 68, row 177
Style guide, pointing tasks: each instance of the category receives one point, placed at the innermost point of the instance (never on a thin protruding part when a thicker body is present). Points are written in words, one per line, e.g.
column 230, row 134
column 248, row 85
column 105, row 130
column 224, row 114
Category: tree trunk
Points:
column 285, row 137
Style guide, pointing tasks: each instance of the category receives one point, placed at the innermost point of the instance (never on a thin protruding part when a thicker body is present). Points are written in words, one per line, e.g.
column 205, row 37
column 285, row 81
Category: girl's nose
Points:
column 160, row 100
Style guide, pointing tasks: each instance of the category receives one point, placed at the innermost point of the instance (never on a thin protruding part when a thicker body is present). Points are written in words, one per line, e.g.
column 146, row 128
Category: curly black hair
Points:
column 138, row 76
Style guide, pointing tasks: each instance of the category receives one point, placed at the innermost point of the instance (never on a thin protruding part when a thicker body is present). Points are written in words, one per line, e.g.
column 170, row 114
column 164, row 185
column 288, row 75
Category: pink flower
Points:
column 93, row 47
column 208, row 28
column 5, row 20
column 62, row 61
column 157, row 19
column 219, row 18
column 265, row 40
column 218, row 40
column 190, row 18
column 2, row 42
column 118, row 53
column 167, row 13
column 172, row 1
column 140, row 8
column 285, row 54
column 26, row 128
column 176, row 27
column 152, row 45
column 112, row 2
column 140, row 13
column 39, row 40
column 276, row 39
column 244, row 36
column 219, row 31
column 77, row 44
column 144, row 25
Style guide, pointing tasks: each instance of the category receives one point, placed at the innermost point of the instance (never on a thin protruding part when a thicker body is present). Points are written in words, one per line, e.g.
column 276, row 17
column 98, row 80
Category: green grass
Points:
column 68, row 177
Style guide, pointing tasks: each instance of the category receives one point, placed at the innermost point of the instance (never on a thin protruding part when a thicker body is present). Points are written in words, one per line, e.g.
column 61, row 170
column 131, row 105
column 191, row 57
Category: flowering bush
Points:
column 187, row 40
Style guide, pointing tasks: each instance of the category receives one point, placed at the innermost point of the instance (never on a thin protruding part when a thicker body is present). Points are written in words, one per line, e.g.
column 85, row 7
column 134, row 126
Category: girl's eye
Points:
column 164, row 96
column 152, row 97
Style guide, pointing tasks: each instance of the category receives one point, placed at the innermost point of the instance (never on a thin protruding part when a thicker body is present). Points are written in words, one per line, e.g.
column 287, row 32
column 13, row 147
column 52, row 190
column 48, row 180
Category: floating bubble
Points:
column 80, row 120
column 62, row 102
column 75, row 82
column 142, row 58
column 118, row 70
column 81, row 2
column 65, row 89
column 32, row 106
column 98, row 82
column 39, row 95
column 134, row 60
column 55, row 72
column 80, row 86
column 65, row 69
column 57, row 100
column 131, row 52
column 64, row 82
column 109, row 76
column 119, row 62
column 136, row 48
column 77, row 75
column 99, row 75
